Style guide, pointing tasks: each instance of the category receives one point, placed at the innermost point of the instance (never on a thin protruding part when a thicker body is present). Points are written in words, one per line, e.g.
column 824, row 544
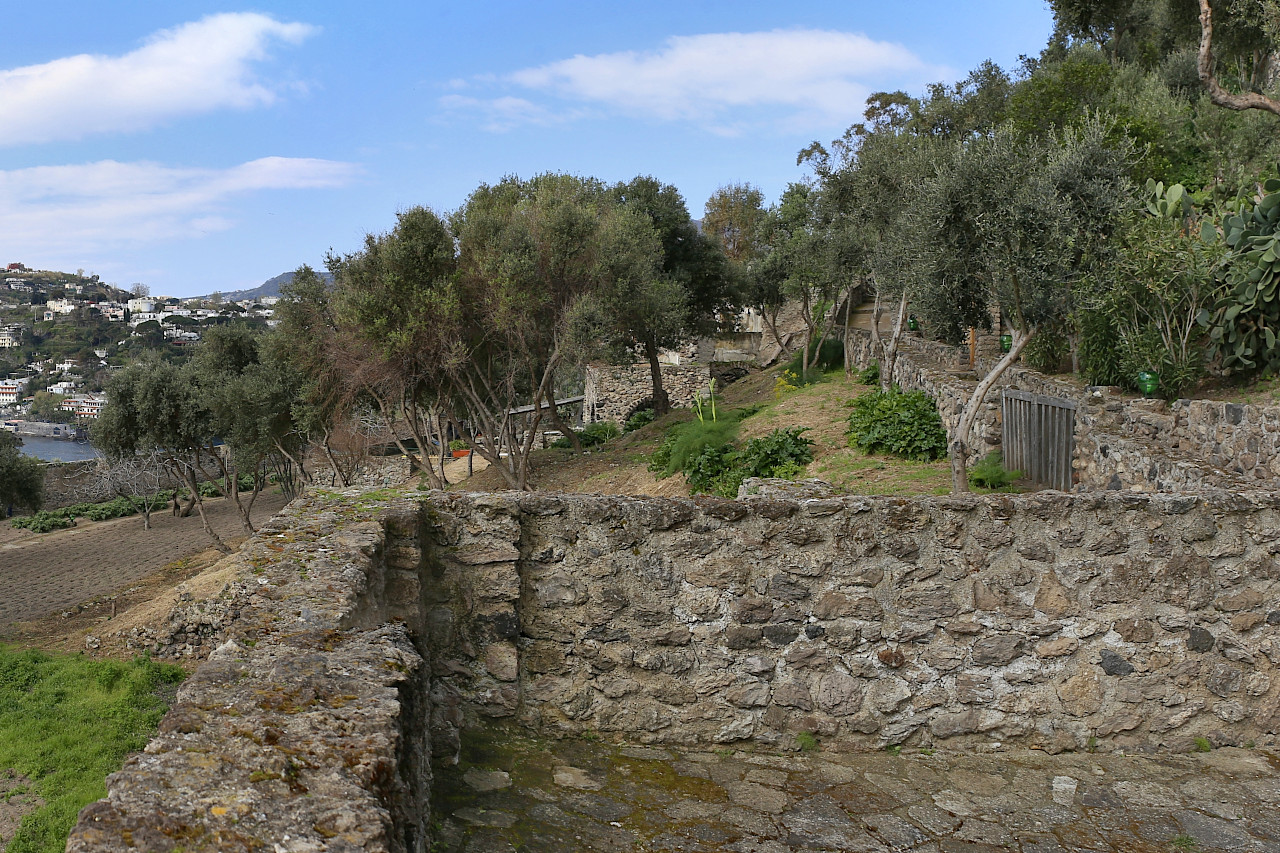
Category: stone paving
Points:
column 511, row 792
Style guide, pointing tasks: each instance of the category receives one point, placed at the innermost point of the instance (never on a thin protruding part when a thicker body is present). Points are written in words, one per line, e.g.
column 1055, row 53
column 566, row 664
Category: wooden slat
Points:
column 1039, row 437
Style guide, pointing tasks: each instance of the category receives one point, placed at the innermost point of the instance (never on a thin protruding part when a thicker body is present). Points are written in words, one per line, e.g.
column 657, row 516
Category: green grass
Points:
column 66, row 722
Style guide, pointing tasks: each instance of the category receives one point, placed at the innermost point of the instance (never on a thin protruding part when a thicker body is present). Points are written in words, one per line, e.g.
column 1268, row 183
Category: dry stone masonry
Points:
column 1120, row 444
column 373, row 629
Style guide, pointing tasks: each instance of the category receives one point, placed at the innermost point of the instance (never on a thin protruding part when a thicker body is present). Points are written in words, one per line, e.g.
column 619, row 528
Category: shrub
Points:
column 821, row 359
column 870, row 375
column 720, row 470
column 641, row 418
column 598, row 433
column 905, row 425
column 990, row 473
column 459, row 444
column 1047, row 348
column 591, row 435
column 685, row 442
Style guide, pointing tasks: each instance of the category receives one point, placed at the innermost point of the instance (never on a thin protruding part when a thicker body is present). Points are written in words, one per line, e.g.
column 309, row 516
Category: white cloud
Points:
column 727, row 82
column 196, row 67
column 48, row 210
column 503, row 114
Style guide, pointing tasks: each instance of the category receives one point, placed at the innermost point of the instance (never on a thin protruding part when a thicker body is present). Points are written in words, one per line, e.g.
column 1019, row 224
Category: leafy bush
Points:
column 990, row 473
column 1244, row 323
column 641, row 418
column 598, row 433
column 1146, row 350
column 821, row 359
column 1047, row 348
column 64, row 517
column 1099, row 350
column 870, row 375
column 459, row 444
column 590, row 436
column 905, row 425
column 685, row 442
column 45, row 521
column 721, row 470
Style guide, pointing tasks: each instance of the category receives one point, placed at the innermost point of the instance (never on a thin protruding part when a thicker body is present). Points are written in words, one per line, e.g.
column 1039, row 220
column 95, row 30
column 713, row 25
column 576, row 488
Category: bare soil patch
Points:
column 17, row 800
column 101, row 577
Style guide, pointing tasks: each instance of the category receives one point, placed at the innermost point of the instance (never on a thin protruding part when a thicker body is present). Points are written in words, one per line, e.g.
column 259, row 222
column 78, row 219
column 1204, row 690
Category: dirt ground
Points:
column 54, row 581
column 16, row 801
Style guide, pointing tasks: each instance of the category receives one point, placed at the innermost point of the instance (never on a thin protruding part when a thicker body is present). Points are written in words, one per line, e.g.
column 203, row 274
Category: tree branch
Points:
column 1217, row 94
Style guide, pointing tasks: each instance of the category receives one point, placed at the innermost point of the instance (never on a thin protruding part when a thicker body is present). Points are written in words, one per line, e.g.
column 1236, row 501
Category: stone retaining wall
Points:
column 1048, row 620
column 367, row 631
column 614, row 393
column 1142, row 445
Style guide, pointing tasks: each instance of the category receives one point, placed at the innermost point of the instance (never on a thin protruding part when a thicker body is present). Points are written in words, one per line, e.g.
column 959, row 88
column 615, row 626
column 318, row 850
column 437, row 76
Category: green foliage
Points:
column 1047, row 349
column 641, row 418
column 704, row 452
column 21, row 477
column 823, row 358
column 685, row 442
column 66, row 722
column 870, row 375
column 459, row 444
column 807, row 742
column 592, row 435
column 1203, row 745
column 905, row 425
column 990, row 473
column 1244, row 324
column 721, row 470
column 1099, row 349
column 58, row 519
column 784, row 384
column 1183, row 841
column 1147, row 351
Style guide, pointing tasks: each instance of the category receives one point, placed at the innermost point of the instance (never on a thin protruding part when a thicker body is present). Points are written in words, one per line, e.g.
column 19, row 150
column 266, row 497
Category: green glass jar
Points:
column 913, row 324
column 1006, row 343
column 1148, row 382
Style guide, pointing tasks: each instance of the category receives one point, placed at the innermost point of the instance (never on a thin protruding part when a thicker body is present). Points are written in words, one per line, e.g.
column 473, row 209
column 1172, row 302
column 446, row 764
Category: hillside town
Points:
column 62, row 335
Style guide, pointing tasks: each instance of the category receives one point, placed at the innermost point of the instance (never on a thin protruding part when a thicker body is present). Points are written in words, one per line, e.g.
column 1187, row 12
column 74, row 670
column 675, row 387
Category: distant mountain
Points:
column 270, row 287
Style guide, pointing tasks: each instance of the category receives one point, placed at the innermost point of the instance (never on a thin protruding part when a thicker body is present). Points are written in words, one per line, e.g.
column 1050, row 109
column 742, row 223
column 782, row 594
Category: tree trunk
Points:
column 960, row 440
column 1217, row 94
column 848, row 356
column 204, row 521
column 553, row 415
column 890, row 361
column 661, row 402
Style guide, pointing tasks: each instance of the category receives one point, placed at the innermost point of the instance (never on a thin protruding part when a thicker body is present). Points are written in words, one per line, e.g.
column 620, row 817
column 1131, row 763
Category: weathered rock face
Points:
column 307, row 726
column 1043, row 619
column 371, row 630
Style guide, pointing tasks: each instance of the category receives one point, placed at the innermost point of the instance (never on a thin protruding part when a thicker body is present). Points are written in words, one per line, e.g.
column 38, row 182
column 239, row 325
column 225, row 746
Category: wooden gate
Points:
column 1039, row 438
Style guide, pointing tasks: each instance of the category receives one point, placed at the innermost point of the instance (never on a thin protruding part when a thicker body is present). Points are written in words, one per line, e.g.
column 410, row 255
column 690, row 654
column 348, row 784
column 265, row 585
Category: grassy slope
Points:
column 621, row 465
column 65, row 723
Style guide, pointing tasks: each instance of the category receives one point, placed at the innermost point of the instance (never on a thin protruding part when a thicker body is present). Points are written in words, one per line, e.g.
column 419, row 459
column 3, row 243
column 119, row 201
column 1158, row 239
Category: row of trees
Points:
column 476, row 323
column 1038, row 200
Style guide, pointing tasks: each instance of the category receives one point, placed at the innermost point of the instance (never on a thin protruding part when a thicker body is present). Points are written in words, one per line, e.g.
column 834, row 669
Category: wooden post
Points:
column 973, row 346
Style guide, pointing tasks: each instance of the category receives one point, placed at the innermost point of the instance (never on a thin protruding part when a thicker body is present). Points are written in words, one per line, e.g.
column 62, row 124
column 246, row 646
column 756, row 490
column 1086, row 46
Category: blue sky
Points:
column 198, row 147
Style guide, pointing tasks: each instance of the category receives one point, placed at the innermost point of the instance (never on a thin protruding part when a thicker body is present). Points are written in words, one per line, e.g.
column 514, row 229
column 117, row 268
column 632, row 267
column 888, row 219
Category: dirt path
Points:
column 41, row 574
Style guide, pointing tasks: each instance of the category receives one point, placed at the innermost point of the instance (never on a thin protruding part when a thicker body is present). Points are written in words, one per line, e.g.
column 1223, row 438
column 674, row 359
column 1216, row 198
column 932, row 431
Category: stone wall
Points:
column 1047, row 620
column 615, row 393
column 366, row 631
column 1120, row 443
column 306, row 728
